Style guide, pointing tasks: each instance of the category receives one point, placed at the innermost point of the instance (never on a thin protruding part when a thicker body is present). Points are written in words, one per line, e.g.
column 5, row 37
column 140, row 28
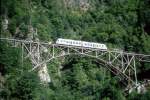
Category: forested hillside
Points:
column 120, row 24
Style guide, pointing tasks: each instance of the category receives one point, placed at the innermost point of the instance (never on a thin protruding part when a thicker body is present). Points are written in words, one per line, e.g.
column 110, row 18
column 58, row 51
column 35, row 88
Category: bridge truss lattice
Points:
column 122, row 64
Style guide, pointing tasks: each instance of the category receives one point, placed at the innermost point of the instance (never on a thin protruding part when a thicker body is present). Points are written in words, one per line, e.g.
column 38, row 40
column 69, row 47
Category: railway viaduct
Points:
column 120, row 63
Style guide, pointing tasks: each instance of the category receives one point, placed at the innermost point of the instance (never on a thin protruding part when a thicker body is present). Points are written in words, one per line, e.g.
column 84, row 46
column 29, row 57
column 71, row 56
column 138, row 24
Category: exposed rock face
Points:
column 5, row 24
column 43, row 74
column 31, row 32
column 83, row 5
column 141, row 87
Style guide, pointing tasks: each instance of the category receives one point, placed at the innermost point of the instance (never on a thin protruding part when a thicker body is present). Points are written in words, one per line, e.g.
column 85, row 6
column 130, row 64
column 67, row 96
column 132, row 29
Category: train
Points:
column 79, row 43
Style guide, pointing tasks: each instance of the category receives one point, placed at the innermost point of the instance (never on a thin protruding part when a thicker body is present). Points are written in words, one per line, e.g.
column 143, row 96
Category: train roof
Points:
column 80, row 41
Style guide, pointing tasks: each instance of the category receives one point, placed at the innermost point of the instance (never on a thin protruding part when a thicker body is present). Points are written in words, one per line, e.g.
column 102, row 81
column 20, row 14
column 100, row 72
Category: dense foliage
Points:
column 122, row 24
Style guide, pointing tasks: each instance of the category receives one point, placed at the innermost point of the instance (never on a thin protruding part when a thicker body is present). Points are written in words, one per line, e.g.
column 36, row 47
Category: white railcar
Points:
column 81, row 43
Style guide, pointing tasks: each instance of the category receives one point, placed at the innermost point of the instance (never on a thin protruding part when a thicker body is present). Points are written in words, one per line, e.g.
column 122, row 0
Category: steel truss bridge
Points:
column 122, row 64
